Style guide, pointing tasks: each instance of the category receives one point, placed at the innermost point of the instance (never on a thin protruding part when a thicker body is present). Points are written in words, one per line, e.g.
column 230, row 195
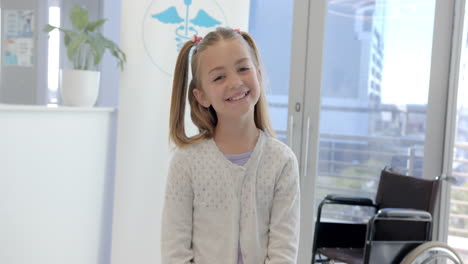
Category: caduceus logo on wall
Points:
column 167, row 25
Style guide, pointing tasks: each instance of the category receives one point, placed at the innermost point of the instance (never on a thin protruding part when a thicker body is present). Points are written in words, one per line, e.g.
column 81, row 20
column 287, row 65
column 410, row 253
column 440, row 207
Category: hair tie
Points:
column 237, row 30
column 196, row 39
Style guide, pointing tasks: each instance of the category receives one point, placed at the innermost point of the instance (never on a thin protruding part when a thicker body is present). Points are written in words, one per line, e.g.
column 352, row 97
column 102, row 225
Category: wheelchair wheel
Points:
column 432, row 252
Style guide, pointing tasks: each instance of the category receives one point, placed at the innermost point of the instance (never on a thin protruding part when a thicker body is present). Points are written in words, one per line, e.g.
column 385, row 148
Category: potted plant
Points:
column 85, row 49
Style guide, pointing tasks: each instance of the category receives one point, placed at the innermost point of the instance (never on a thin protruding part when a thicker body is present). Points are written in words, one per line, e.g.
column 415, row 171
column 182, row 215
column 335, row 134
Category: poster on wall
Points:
column 168, row 24
column 18, row 38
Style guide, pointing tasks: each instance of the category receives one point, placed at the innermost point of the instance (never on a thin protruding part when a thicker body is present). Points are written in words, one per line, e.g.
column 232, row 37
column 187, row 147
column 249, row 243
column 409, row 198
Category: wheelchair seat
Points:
column 402, row 221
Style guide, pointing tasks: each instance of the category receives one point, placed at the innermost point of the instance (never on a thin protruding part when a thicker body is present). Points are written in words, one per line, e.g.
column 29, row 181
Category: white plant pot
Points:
column 79, row 88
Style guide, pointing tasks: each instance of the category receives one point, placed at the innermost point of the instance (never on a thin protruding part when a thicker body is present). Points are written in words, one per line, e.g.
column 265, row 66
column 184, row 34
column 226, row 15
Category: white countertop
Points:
column 45, row 108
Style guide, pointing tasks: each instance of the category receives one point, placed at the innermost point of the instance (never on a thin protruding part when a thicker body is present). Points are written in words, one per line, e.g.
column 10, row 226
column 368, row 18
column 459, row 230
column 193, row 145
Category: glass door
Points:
column 375, row 90
column 374, row 95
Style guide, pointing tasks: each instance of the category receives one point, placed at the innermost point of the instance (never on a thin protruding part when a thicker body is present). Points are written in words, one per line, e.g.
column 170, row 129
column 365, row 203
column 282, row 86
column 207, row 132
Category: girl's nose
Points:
column 235, row 82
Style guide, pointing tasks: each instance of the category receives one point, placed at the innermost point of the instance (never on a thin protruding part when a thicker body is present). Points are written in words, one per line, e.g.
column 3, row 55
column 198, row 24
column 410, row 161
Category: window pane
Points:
column 267, row 17
column 458, row 220
column 375, row 84
column 53, row 55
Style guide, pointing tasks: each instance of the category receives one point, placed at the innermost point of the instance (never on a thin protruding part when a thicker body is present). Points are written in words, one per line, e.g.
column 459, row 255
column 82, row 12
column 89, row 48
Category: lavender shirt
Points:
column 239, row 159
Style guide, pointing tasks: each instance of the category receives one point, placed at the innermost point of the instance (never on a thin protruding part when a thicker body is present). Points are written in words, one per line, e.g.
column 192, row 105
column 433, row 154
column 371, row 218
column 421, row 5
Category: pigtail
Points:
column 179, row 94
column 252, row 45
column 203, row 118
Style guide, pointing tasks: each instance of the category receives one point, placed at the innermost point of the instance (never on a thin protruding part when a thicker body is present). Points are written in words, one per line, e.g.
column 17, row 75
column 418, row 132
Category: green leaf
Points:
column 114, row 53
column 74, row 46
column 66, row 39
column 86, row 45
column 48, row 28
column 68, row 36
column 95, row 24
column 97, row 47
column 79, row 17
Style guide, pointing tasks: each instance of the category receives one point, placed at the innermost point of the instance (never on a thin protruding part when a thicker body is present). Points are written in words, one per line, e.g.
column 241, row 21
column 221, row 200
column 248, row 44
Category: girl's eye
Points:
column 218, row 78
column 244, row 69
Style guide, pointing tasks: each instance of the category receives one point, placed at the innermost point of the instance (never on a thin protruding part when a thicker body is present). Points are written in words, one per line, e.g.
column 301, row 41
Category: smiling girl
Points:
column 232, row 193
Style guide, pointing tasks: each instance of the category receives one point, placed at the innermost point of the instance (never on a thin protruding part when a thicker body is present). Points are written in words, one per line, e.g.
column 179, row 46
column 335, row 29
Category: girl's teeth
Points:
column 238, row 97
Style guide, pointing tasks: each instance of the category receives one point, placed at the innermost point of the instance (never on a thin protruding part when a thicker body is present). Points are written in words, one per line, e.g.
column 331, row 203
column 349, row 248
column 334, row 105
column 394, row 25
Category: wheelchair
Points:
column 400, row 231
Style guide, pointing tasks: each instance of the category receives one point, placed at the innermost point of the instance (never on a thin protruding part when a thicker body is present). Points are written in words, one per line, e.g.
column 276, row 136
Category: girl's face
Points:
column 230, row 81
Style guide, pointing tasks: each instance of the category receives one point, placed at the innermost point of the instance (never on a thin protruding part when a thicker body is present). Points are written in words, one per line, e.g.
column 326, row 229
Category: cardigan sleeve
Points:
column 284, row 219
column 176, row 233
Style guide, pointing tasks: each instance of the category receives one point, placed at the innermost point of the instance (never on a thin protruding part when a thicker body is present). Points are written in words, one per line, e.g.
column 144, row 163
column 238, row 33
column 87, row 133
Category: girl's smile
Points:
column 238, row 97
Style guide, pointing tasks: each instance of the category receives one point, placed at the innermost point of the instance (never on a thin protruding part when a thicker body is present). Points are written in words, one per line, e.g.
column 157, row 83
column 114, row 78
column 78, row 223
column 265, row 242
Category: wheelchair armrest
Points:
column 403, row 214
column 358, row 231
column 348, row 200
column 343, row 200
column 400, row 214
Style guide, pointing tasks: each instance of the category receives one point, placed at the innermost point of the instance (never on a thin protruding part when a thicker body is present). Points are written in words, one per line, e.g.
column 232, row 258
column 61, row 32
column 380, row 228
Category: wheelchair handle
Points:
column 349, row 200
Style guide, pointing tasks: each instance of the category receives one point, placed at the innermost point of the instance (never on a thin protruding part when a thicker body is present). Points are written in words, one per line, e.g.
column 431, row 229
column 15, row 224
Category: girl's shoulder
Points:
column 190, row 150
column 278, row 148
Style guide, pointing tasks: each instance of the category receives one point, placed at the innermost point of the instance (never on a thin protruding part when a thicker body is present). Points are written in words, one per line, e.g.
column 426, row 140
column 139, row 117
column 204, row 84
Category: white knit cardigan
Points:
column 211, row 204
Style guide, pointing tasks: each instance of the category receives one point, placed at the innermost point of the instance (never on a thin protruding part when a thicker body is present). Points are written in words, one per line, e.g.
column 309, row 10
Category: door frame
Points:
column 304, row 106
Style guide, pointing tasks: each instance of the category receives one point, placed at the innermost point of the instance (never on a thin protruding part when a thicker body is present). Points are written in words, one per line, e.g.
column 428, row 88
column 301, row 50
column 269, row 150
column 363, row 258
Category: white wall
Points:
column 55, row 185
column 142, row 137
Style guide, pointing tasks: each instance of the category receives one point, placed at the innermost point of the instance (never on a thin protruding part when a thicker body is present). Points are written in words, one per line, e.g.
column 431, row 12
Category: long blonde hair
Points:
column 205, row 118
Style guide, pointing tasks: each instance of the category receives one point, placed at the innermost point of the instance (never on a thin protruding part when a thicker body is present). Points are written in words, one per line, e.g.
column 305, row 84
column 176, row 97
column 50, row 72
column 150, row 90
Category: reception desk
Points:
column 56, row 184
